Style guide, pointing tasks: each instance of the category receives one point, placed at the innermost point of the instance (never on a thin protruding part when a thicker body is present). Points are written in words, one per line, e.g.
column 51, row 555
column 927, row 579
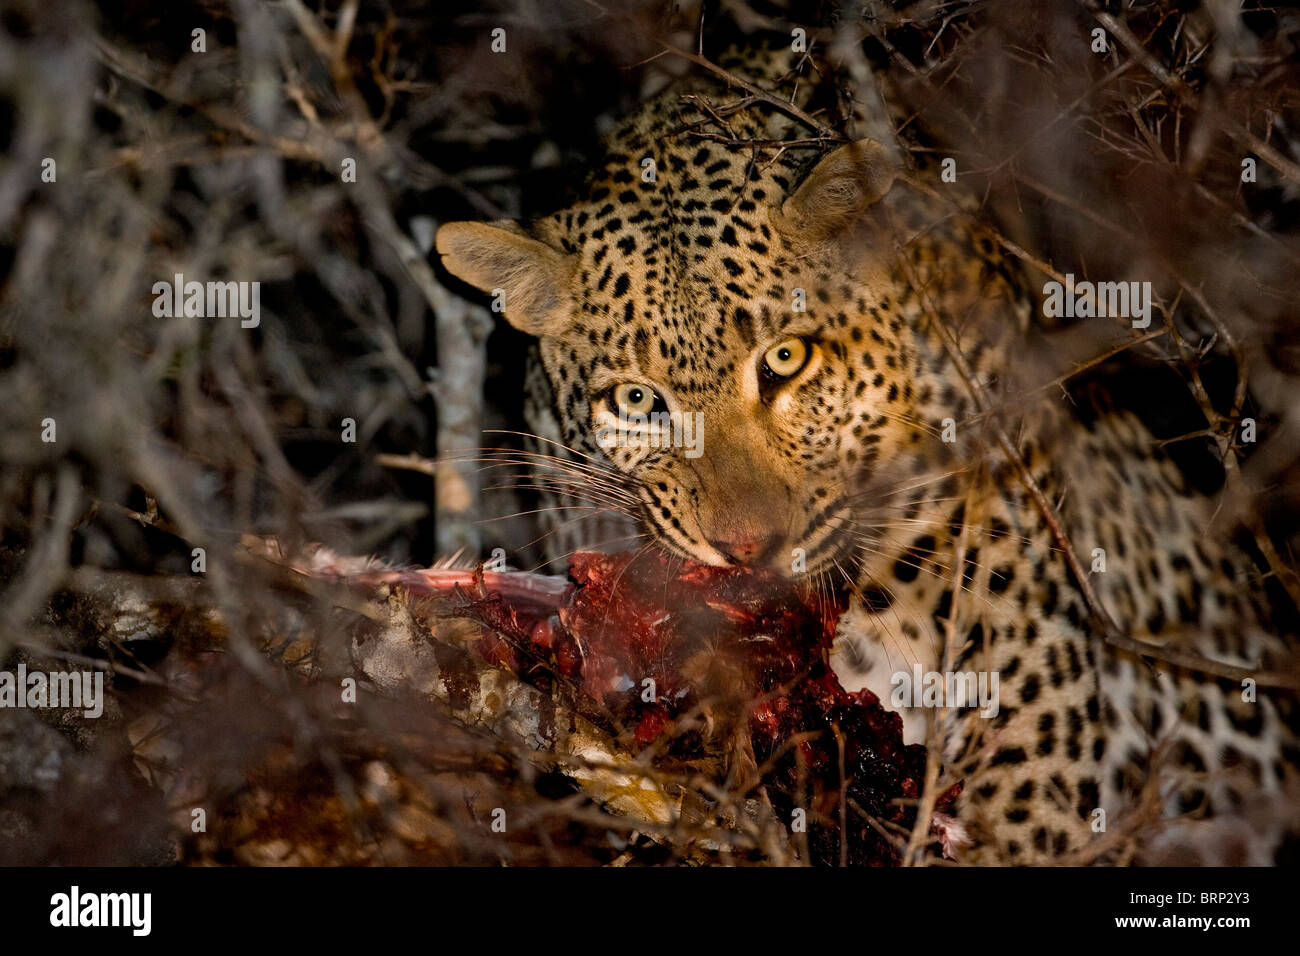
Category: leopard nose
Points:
column 748, row 548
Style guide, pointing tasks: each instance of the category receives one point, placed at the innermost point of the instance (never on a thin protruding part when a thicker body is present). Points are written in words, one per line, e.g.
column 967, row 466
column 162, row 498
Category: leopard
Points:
column 851, row 342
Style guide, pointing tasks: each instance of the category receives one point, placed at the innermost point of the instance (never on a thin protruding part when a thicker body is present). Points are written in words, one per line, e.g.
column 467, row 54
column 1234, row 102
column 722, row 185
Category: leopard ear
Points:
column 531, row 277
column 839, row 190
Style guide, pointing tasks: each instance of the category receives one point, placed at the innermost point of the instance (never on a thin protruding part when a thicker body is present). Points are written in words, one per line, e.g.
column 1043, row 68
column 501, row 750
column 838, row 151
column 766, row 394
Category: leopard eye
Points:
column 786, row 359
column 632, row 398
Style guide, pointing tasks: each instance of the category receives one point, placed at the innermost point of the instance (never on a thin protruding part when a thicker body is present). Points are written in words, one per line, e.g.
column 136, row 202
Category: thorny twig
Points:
column 937, row 716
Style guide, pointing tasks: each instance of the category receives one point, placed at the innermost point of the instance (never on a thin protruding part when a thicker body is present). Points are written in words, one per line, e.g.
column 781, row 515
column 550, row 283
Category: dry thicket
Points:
column 130, row 157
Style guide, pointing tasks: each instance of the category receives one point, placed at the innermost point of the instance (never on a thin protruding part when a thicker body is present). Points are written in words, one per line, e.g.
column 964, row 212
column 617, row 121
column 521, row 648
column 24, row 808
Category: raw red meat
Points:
column 648, row 638
column 713, row 667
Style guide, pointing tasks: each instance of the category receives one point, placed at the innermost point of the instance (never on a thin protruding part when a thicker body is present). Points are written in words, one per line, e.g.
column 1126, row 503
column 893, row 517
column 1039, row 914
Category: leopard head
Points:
column 731, row 344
